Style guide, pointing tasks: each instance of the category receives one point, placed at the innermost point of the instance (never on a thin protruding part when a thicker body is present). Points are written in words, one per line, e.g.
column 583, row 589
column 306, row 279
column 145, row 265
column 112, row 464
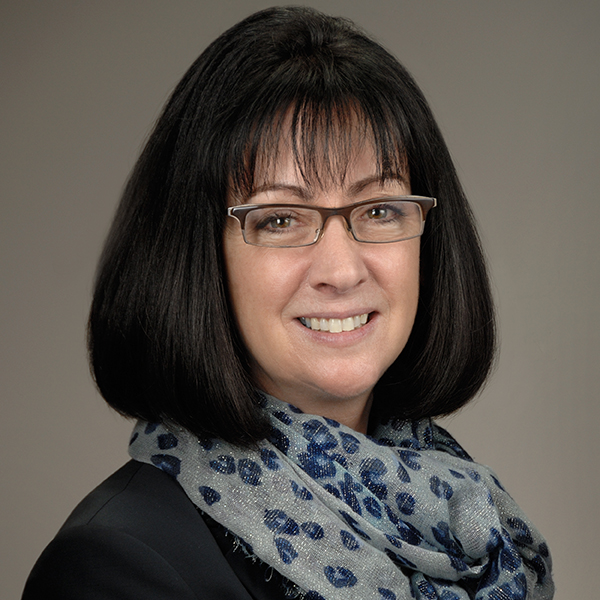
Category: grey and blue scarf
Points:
column 403, row 514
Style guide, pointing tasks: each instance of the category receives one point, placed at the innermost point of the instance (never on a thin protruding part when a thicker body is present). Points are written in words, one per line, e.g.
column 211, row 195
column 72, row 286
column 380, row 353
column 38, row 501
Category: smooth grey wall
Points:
column 515, row 85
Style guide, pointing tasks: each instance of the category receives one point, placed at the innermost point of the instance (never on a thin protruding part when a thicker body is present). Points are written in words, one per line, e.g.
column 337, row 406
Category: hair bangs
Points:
column 324, row 134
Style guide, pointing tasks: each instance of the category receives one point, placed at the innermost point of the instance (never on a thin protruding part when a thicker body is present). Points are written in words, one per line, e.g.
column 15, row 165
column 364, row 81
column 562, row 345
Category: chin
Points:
column 343, row 392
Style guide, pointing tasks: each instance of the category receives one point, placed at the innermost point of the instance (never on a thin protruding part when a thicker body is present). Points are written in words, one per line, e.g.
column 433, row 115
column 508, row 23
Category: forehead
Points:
column 318, row 152
column 355, row 167
column 327, row 172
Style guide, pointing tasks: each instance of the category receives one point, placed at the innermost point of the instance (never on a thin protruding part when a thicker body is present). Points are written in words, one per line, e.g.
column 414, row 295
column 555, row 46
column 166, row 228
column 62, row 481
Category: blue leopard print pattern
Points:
column 400, row 515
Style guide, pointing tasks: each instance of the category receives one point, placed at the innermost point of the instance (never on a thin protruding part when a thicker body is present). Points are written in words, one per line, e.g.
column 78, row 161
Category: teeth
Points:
column 335, row 325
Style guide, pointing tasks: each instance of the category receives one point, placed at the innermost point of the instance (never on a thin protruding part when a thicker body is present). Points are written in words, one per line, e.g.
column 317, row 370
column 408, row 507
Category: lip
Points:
column 343, row 338
column 338, row 315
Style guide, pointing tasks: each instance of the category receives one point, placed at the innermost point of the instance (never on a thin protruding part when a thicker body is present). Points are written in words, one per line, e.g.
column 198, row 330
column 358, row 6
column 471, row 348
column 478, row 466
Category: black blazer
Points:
column 138, row 536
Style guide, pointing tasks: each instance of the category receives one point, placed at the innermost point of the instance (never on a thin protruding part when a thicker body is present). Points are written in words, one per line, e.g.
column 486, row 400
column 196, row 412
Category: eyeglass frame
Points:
column 426, row 203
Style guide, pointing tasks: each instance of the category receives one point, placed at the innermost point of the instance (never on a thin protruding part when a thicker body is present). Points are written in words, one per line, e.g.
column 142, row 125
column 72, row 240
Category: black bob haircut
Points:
column 162, row 338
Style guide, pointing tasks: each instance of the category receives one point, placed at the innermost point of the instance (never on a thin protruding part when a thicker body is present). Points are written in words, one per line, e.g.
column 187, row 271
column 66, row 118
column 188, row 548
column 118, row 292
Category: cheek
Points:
column 400, row 282
column 413, row 274
column 412, row 280
column 241, row 278
column 260, row 282
column 398, row 271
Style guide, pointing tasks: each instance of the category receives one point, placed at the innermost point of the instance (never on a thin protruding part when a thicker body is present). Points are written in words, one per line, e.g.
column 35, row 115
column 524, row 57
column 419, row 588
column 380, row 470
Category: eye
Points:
column 377, row 212
column 280, row 222
column 275, row 221
column 381, row 213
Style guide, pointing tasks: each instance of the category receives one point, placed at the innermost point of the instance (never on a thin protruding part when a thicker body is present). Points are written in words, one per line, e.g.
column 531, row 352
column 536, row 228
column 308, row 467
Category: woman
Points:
column 292, row 288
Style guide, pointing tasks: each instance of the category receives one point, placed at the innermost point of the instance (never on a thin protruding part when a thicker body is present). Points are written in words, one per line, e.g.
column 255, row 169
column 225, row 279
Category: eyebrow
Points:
column 304, row 193
column 361, row 184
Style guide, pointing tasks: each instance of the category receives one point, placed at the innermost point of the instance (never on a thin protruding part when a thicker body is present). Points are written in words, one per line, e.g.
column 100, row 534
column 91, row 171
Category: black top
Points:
column 138, row 535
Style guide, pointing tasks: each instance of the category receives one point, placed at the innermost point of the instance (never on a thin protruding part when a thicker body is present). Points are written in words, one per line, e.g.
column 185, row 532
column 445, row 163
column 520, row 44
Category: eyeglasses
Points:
column 377, row 221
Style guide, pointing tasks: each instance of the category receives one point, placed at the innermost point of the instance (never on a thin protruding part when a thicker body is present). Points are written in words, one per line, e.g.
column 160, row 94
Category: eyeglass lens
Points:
column 377, row 222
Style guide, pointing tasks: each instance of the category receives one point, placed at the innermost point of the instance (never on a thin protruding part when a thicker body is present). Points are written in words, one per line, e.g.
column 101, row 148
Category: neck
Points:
column 353, row 413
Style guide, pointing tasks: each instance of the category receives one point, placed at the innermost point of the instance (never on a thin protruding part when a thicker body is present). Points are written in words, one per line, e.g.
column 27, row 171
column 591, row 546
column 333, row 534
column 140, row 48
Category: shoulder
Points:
column 137, row 535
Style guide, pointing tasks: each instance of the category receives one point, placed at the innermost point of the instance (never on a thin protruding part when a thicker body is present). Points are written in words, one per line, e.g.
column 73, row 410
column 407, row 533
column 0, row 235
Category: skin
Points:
column 321, row 373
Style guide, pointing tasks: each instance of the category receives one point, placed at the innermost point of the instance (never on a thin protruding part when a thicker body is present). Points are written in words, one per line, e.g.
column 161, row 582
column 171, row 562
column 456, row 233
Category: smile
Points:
column 335, row 325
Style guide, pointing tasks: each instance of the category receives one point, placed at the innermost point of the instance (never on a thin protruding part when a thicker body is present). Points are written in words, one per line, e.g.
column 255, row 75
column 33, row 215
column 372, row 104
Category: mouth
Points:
column 335, row 325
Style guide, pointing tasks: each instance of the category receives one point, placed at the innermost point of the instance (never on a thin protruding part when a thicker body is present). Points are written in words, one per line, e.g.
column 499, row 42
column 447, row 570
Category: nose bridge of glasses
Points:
column 343, row 212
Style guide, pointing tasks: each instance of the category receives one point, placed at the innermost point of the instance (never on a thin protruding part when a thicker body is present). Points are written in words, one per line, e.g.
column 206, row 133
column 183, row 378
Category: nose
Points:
column 337, row 263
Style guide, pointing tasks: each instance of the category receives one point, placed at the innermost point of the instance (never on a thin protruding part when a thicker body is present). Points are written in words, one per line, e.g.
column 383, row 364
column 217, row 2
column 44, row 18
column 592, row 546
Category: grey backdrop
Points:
column 515, row 86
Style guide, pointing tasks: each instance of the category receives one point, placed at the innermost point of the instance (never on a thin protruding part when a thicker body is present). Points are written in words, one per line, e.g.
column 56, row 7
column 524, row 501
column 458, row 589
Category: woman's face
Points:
column 273, row 290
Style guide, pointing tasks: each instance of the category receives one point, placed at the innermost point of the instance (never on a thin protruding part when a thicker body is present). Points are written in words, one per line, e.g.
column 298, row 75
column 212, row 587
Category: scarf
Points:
column 403, row 514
